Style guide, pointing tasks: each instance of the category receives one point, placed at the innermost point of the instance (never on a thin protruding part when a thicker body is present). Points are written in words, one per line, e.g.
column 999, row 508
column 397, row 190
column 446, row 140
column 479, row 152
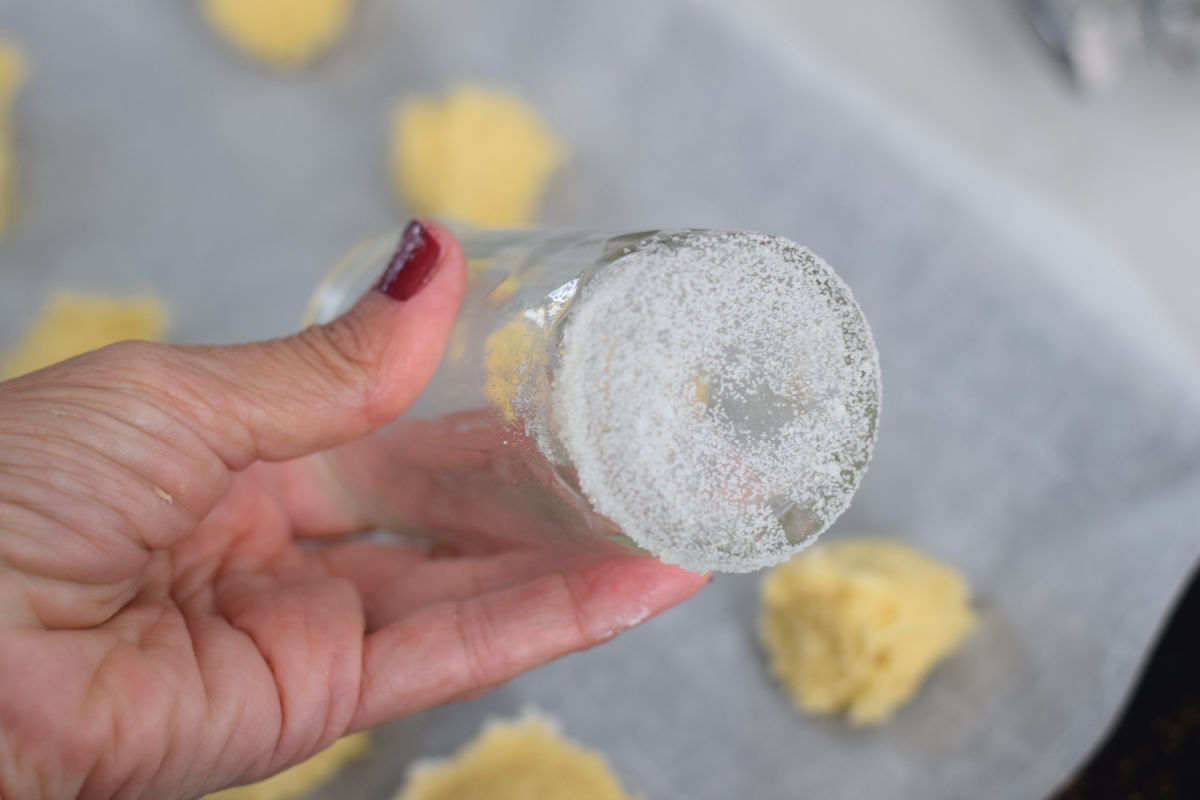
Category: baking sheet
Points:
column 1041, row 427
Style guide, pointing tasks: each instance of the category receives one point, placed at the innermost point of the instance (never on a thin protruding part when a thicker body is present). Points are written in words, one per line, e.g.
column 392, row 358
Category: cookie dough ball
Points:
column 285, row 34
column 12, row 75
column 510, row 354
column 523, row 760
column 72, row 323
column 855, row 626
column 306, row 776
column 475, row 155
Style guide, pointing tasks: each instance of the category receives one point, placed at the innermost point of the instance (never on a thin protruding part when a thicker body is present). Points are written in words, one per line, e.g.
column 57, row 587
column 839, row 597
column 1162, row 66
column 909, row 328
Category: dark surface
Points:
column 1154, row 751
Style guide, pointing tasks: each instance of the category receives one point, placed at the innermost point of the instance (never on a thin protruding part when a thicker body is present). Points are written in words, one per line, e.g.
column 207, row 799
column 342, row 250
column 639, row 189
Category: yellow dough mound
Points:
column 509, row 354
column 522, row 760
column 283, row 33
column 475, row 155
column 306, row 776
column 72, row 323
column 856, row 625
column 12, row 75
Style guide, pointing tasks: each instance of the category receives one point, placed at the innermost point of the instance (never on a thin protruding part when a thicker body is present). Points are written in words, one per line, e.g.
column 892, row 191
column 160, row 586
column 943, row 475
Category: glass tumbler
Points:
column 482, row 460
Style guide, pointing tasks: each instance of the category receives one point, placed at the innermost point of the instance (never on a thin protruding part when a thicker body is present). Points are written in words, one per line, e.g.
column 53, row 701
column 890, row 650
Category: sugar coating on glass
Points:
column 718, row 396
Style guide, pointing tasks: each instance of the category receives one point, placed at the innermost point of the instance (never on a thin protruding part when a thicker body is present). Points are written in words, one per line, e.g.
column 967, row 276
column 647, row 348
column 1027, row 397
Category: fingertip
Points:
column 450, row 245
column 427, row 262
column 452, row 272
column 624, row 592
column 401, row 327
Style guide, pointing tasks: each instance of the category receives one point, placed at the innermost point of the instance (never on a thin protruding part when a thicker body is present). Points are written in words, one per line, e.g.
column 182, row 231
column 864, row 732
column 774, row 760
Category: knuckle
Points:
column 481, row 660
column 135, row 360
column 153, row 379
column 150, row 375
column 576, row 591
column 346, row 353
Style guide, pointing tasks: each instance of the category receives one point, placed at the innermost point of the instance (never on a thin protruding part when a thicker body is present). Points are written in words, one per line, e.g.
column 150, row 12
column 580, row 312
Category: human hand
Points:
column 163, row 634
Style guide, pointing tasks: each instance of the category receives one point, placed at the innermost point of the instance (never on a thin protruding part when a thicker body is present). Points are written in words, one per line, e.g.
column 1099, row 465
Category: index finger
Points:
column 448, row 650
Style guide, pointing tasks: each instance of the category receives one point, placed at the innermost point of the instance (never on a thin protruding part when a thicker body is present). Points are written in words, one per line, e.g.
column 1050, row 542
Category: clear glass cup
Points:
column 479, row 462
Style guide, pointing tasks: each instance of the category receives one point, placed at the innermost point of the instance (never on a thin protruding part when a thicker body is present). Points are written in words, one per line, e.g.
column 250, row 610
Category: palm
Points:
column 242, row 651
column 234, row 630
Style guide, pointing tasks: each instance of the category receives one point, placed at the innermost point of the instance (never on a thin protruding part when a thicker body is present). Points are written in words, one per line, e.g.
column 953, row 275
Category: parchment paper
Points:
column 1041, row 427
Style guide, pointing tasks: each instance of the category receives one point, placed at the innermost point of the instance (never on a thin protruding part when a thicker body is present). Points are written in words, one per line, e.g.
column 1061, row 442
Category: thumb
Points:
column 183, row 415
column 331, row 383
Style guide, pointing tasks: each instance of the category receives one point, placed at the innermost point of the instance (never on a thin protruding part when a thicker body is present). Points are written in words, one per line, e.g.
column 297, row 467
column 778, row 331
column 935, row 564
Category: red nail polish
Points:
column 413, row 264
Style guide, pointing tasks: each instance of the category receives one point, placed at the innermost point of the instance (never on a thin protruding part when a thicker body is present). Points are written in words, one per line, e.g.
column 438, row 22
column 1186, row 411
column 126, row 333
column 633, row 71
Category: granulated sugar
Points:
column 718, row 396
